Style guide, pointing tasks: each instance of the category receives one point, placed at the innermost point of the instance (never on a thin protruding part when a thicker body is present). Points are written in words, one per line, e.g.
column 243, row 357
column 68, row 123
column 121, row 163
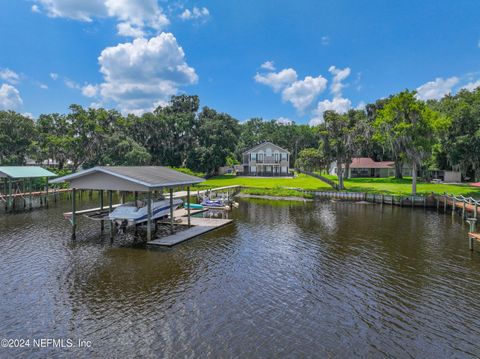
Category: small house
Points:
column 266, row 159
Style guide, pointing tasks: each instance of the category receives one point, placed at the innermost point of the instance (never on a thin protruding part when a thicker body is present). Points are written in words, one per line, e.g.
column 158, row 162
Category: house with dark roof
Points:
column 265, row 159
column 366, row 167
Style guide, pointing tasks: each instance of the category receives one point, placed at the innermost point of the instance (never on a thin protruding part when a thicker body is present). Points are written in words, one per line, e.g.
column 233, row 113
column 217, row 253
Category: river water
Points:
column 287, row 279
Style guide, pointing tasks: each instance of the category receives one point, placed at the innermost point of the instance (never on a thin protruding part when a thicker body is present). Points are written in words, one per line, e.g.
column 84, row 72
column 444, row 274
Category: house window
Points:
column 277, row 157
column 253, row 169
column 284, row 156
column 253, row 156
column 260, row 157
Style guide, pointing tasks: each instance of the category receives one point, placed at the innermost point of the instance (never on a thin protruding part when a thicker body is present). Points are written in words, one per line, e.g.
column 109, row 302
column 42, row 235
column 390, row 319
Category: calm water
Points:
column 285, row 280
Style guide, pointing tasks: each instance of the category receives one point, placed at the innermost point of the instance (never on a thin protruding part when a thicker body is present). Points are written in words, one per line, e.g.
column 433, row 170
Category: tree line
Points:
column 441, row 134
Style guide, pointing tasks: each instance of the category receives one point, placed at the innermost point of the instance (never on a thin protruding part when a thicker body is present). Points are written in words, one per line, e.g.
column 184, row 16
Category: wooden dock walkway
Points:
column 199, row 227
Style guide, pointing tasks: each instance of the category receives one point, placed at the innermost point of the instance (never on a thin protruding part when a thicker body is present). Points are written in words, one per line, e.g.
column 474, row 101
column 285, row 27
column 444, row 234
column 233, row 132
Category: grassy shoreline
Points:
column 284, row 187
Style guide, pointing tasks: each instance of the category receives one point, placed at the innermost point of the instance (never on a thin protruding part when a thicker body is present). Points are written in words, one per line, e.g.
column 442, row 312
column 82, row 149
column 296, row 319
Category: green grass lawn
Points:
column 371, row 185
column 403, row 186
column 302, row 181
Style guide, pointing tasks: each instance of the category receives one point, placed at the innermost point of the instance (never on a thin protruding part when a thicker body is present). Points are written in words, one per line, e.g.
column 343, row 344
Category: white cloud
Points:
column 268, row 65
column 9, row 76
column 436, row 89
column 28, row 114
column 72, row 84
column 325, row 40
column 284, row 121
column 338, row 76
column 53, row 75
column 142, row 74
column 35, row 8
column 361, row 105
column 195, row 13
column 277, row 80
column 337, row 104
column 9, row 97
column 89, row 90
column 302, row 93
column 128, row 30
column 471, row 85
column 43, row 86
column 133, row 15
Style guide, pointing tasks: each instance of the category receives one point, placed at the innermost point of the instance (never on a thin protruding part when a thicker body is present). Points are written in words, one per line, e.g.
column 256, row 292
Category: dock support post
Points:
column 172, row 230
column 110, row 211
column 476, row 210
column 102, row 222
column 10, row 206
column 472, row 222
column 453, row 207
column 188, row 207
column 463, row 209
column 74, row 216
column 46, row 192
column 445, row 204
column 135, row 198
column 30, row 195
column 149, row 216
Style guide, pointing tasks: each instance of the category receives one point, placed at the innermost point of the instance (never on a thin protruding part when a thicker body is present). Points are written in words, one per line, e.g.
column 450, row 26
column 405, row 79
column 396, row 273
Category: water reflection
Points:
column 286, row 279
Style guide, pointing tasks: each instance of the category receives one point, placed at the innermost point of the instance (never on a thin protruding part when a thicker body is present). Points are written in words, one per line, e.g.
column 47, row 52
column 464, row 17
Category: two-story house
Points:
column 266, row 159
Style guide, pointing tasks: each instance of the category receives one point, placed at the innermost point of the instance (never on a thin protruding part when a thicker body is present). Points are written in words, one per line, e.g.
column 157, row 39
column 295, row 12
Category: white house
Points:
column 266, row 159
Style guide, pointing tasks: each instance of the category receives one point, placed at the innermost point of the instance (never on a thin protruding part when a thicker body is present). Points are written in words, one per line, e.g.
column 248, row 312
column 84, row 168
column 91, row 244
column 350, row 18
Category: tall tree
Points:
column 17, row 134
column 409, row 126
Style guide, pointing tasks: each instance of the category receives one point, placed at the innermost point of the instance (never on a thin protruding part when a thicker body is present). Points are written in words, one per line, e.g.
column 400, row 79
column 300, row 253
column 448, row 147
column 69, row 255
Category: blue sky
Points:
column 270, row 59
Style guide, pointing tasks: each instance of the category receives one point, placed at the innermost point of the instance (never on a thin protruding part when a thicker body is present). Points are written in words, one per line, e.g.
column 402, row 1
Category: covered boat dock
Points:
column 134, row 179
column 18, row 183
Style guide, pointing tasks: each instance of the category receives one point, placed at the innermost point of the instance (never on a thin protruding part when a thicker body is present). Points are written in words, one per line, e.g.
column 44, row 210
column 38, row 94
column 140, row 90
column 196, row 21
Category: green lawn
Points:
column 371, row 185
column 404, row 186
column 302, row 181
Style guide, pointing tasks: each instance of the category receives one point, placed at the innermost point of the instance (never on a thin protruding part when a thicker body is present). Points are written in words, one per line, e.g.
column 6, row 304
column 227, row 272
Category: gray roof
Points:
column 24, row 172
column 144, row 177
column 263, row 144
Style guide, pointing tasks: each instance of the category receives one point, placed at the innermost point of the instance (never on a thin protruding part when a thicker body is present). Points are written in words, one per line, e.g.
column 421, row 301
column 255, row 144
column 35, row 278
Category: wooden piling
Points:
column 188, row 206
column 74, row 217
column 102, row 222
column 110, row 209
column 149, row 216
column 172, row 230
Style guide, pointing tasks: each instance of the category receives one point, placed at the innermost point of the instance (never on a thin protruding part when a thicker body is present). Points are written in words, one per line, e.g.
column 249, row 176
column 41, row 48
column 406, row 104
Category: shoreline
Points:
column 274, row 198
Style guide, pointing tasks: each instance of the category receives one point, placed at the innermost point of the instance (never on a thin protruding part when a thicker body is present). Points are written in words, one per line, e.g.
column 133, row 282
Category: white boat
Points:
column 135, row 213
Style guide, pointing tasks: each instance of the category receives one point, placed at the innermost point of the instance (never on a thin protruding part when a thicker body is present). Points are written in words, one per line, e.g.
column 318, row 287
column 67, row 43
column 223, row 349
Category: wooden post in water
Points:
column 46, row 192
column 188, row 206
column 172, row 230
column 149, row 215
column 10, row 203
column 74, row 215
column 453, row 207
column 30, row 193
column 102, row 222
column 445, row 204
column 471, row 222
column 110, row 208
column 463, row 208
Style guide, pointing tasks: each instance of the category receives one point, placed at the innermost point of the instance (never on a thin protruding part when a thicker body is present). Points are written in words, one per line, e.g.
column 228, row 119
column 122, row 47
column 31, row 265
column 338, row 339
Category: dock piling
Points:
column 74, row 218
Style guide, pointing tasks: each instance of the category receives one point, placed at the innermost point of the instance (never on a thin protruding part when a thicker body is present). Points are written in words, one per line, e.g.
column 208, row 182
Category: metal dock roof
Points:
column 24, row 172
column 128, row 178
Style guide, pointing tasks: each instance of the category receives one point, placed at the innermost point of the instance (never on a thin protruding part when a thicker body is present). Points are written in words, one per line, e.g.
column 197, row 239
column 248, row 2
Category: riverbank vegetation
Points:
column 437, row 134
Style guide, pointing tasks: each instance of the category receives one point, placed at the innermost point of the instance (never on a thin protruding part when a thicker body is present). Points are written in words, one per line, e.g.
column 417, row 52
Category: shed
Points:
column 129, row 179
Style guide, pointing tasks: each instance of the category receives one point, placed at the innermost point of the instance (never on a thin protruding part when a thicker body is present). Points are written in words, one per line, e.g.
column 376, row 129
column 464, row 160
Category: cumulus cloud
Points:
column 268, row 65
column 9, row 97
column 142, row 74
column 277, row 80
column 35, row 8
column 284, row 121
column 53, row 75
column 436, row 89
column 302, row 93
column 195, row 13
column 89, row 90
column 338, row 76
column 9, row 76
column 337, row 104
column 471, row 85
column 133, row 15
